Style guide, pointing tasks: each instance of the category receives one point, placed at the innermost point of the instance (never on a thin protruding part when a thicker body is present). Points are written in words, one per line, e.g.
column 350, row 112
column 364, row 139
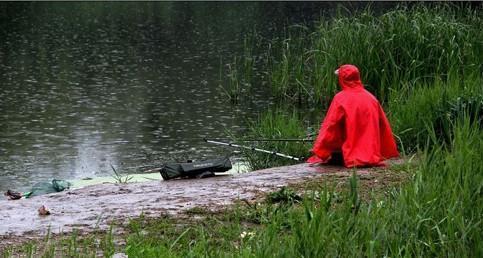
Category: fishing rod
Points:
column 262, row 140
column 254, row 149
column 221, row 139
column 307, row 139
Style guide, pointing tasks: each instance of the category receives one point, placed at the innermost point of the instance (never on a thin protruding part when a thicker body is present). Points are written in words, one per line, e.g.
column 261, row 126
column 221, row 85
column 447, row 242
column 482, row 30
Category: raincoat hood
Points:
column 349, row 77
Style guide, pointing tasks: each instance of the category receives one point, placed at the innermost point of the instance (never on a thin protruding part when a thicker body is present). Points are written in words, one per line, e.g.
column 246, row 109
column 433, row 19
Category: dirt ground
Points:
column 94, row 207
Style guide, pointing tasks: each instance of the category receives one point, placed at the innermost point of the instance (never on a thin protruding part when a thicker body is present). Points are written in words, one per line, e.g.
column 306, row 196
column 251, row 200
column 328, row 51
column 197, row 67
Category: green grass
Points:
column 415, row 113
column 394, row 50
column 273, row 125
column 72, row 245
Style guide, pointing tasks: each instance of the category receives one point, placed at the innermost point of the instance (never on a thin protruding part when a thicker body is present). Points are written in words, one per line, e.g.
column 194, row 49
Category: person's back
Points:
column 355, row 125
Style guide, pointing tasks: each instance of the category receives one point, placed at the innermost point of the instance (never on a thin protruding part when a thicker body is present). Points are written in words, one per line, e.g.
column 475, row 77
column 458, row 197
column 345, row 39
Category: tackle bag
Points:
column 193, row 169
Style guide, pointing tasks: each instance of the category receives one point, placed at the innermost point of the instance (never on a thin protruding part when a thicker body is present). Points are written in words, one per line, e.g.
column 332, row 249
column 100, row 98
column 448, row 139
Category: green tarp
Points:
column 48, row 187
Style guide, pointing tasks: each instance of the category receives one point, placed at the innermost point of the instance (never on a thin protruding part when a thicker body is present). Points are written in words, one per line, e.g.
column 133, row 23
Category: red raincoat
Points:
column 355, row 125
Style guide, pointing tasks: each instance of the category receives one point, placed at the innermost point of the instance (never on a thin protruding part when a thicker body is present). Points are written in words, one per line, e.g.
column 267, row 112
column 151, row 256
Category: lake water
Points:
column 87, row 85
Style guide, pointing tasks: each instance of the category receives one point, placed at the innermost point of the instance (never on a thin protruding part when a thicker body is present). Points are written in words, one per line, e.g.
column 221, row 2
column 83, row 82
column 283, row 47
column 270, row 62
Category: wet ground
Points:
column 96, row 206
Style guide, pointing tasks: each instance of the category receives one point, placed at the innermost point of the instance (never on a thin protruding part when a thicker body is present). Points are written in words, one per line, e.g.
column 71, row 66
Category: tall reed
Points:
column 393, row 50
column 418, row 111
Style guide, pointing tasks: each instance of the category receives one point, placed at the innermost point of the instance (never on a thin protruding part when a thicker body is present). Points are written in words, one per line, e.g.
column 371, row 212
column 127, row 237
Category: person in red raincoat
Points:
column 355, row 126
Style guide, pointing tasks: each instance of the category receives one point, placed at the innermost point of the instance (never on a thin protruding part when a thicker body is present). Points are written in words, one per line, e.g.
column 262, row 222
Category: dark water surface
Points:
column 87, row 85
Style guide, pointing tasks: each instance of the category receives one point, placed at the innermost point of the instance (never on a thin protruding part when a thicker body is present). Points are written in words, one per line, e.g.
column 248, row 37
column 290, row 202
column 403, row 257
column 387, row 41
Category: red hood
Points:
column 349, row 77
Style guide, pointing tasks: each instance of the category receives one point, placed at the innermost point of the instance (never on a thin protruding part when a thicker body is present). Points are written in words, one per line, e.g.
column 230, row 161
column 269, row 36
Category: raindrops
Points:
column 80, row 92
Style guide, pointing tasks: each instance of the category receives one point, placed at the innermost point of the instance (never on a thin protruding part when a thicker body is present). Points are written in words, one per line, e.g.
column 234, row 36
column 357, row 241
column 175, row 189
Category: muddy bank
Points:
column 95, row 206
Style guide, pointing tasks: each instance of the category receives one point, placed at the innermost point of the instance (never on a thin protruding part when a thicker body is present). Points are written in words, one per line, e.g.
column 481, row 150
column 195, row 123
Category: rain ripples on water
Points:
column 87, row 85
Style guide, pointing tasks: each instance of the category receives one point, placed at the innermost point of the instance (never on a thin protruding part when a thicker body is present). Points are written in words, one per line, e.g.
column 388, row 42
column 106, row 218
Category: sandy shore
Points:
column 97, row 205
